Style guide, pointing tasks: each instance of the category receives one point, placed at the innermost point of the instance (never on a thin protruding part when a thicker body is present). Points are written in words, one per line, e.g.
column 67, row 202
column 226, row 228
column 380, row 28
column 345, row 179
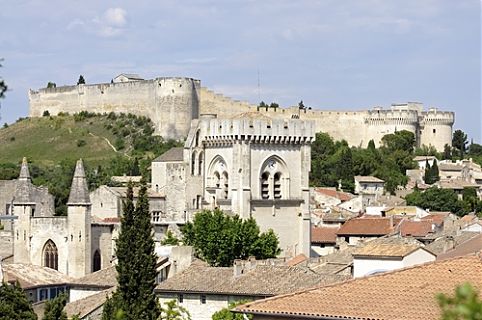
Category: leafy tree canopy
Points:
column 14, row 304
column 459, row 142
column 226, row 314
column 220, row 239
column 54, row 309
column 173, row 311
column 436, row 199
column 464, row 305
column 81, row 80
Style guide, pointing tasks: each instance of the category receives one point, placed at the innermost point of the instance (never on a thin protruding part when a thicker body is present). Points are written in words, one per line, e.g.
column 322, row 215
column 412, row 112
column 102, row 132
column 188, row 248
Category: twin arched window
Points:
column 51, row 255
column 274, row 179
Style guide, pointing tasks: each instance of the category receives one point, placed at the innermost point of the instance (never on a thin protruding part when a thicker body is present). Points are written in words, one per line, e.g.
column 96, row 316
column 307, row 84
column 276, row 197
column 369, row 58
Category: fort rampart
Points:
column 172, row 103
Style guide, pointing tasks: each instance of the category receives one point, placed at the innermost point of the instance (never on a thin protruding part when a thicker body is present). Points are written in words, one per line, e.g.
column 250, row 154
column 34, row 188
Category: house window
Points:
column 217, row 179
column 180, row 298
column 155, row 216
column 51, row 256
column 203, row 299
column 434, row 130
column 200, row 164
column 193, row 163
column 43, row 294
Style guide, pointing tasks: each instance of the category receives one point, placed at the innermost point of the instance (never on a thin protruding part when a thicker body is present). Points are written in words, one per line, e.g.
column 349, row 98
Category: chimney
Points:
column 449, row 244
column 238, row 267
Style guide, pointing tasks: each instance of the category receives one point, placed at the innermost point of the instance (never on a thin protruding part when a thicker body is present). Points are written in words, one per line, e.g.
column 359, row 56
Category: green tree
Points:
column 3, row 85
column 400, row 140
column 434, row 172
column 173, row 311
column 425, row 150
column 447, row 154
column 459, row 142
column 54, row 309
column 14, row 304
column 51, row 85
column 136, row 268
column 81, row 80
column 170, row 239
column 464, row 305
column 437, row 199
column 226, row 314
column 427, row 177
column 219, row 239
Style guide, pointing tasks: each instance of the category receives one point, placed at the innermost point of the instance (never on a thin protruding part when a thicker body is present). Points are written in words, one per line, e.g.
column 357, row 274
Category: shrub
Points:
column 46, row 113
column 81, row 143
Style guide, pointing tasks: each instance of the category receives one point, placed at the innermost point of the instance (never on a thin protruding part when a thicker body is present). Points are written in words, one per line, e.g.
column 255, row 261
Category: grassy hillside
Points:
column 48, row 140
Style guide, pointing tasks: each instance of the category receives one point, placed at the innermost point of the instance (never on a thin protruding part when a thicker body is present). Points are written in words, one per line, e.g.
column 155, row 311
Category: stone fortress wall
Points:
column 172, row 103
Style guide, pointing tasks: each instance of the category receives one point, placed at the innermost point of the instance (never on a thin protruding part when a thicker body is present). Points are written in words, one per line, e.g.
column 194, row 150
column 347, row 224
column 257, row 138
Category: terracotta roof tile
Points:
column 368, row 179
column 85, row 306
column 388, row 247
column 103, row 278
column 343, row 196
column 437, row 218
column 468, row 247
column 415, row 228
column 30, row 276
column 263, row 280
column 323, row 234
column 406, row 294
column 366, row 226
column 297, row 260
column 173, row 154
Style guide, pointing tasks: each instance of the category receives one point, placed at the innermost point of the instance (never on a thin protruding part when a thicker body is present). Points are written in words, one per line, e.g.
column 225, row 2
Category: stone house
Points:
column 203, row 290
column 385, row 254
column 401, row 294
column 38, row 283
column 323, row 240
column 366, row 228
column 369, row 185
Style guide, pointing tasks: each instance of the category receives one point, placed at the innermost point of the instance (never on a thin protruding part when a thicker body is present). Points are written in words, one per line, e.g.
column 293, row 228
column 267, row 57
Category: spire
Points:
column 79, row 193
column 24, row 188
column 24, row 173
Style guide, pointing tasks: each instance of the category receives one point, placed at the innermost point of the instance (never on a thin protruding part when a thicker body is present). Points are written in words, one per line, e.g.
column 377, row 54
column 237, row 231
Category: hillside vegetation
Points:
column 109, row 144
column 48, row 140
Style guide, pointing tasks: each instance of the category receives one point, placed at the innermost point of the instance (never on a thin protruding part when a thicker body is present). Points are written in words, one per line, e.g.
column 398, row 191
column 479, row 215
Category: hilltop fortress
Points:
column 171, row 103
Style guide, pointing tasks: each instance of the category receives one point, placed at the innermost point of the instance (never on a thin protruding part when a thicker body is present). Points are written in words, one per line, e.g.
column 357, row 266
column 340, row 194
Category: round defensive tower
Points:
column 176, row 104
column 436, row 128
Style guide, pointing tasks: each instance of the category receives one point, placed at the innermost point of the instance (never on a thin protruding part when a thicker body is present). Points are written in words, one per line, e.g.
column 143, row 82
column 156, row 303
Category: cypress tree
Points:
column 136, row 267
column 427, row 177
column 434, row 172
column 54, row 309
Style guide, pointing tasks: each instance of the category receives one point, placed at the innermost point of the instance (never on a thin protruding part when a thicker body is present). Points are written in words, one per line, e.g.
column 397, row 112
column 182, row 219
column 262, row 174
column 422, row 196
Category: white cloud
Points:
column 110, row 24
column 115, row 17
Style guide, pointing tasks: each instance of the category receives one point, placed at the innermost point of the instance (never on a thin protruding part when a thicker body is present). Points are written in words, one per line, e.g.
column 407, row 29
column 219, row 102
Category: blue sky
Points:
column 332, row 54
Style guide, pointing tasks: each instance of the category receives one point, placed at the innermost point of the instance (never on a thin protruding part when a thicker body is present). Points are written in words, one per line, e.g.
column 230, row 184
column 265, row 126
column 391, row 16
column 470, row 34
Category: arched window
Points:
column 200, row 163
column 265, row 185
column 217, row 179
column 197, row 139
column 225, row 185
column 193, row 163
column 277, row 185
column 96, row 261
column 51, row 255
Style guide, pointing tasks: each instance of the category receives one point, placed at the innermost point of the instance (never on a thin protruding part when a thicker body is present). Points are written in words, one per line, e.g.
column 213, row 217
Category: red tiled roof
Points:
column 415, row 228
column 437, row 218
column 296, row 260
column 343, row 196
column 405, row 294
column 468, row 247
column 323, row 235
column 366, row 226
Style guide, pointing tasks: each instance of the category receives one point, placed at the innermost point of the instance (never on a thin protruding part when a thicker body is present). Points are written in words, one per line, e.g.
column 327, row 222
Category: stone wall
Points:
column 170, row 103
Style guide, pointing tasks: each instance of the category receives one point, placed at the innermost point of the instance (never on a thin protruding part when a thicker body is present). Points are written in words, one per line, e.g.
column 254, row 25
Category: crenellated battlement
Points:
column 173, row 102
column 257, row 130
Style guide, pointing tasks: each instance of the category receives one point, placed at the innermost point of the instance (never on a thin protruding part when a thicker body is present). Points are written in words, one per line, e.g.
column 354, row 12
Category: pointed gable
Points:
column 79, row 193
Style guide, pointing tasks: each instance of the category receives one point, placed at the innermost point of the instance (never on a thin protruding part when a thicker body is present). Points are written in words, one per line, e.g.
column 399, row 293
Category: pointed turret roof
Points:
column 24, row 172
column 79, row 193
column 24, row 189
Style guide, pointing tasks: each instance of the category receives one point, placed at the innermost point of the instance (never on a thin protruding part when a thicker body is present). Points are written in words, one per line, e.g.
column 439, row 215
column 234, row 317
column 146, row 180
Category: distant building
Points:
column 368, row 185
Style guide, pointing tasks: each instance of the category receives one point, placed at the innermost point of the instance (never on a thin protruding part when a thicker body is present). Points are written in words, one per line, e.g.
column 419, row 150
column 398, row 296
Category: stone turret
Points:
column 78, row 212
column 79, row 193
column 23, row 191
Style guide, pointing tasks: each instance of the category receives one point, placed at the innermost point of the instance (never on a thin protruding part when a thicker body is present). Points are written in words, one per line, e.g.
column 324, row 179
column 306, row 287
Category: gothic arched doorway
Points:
column 97, row 261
